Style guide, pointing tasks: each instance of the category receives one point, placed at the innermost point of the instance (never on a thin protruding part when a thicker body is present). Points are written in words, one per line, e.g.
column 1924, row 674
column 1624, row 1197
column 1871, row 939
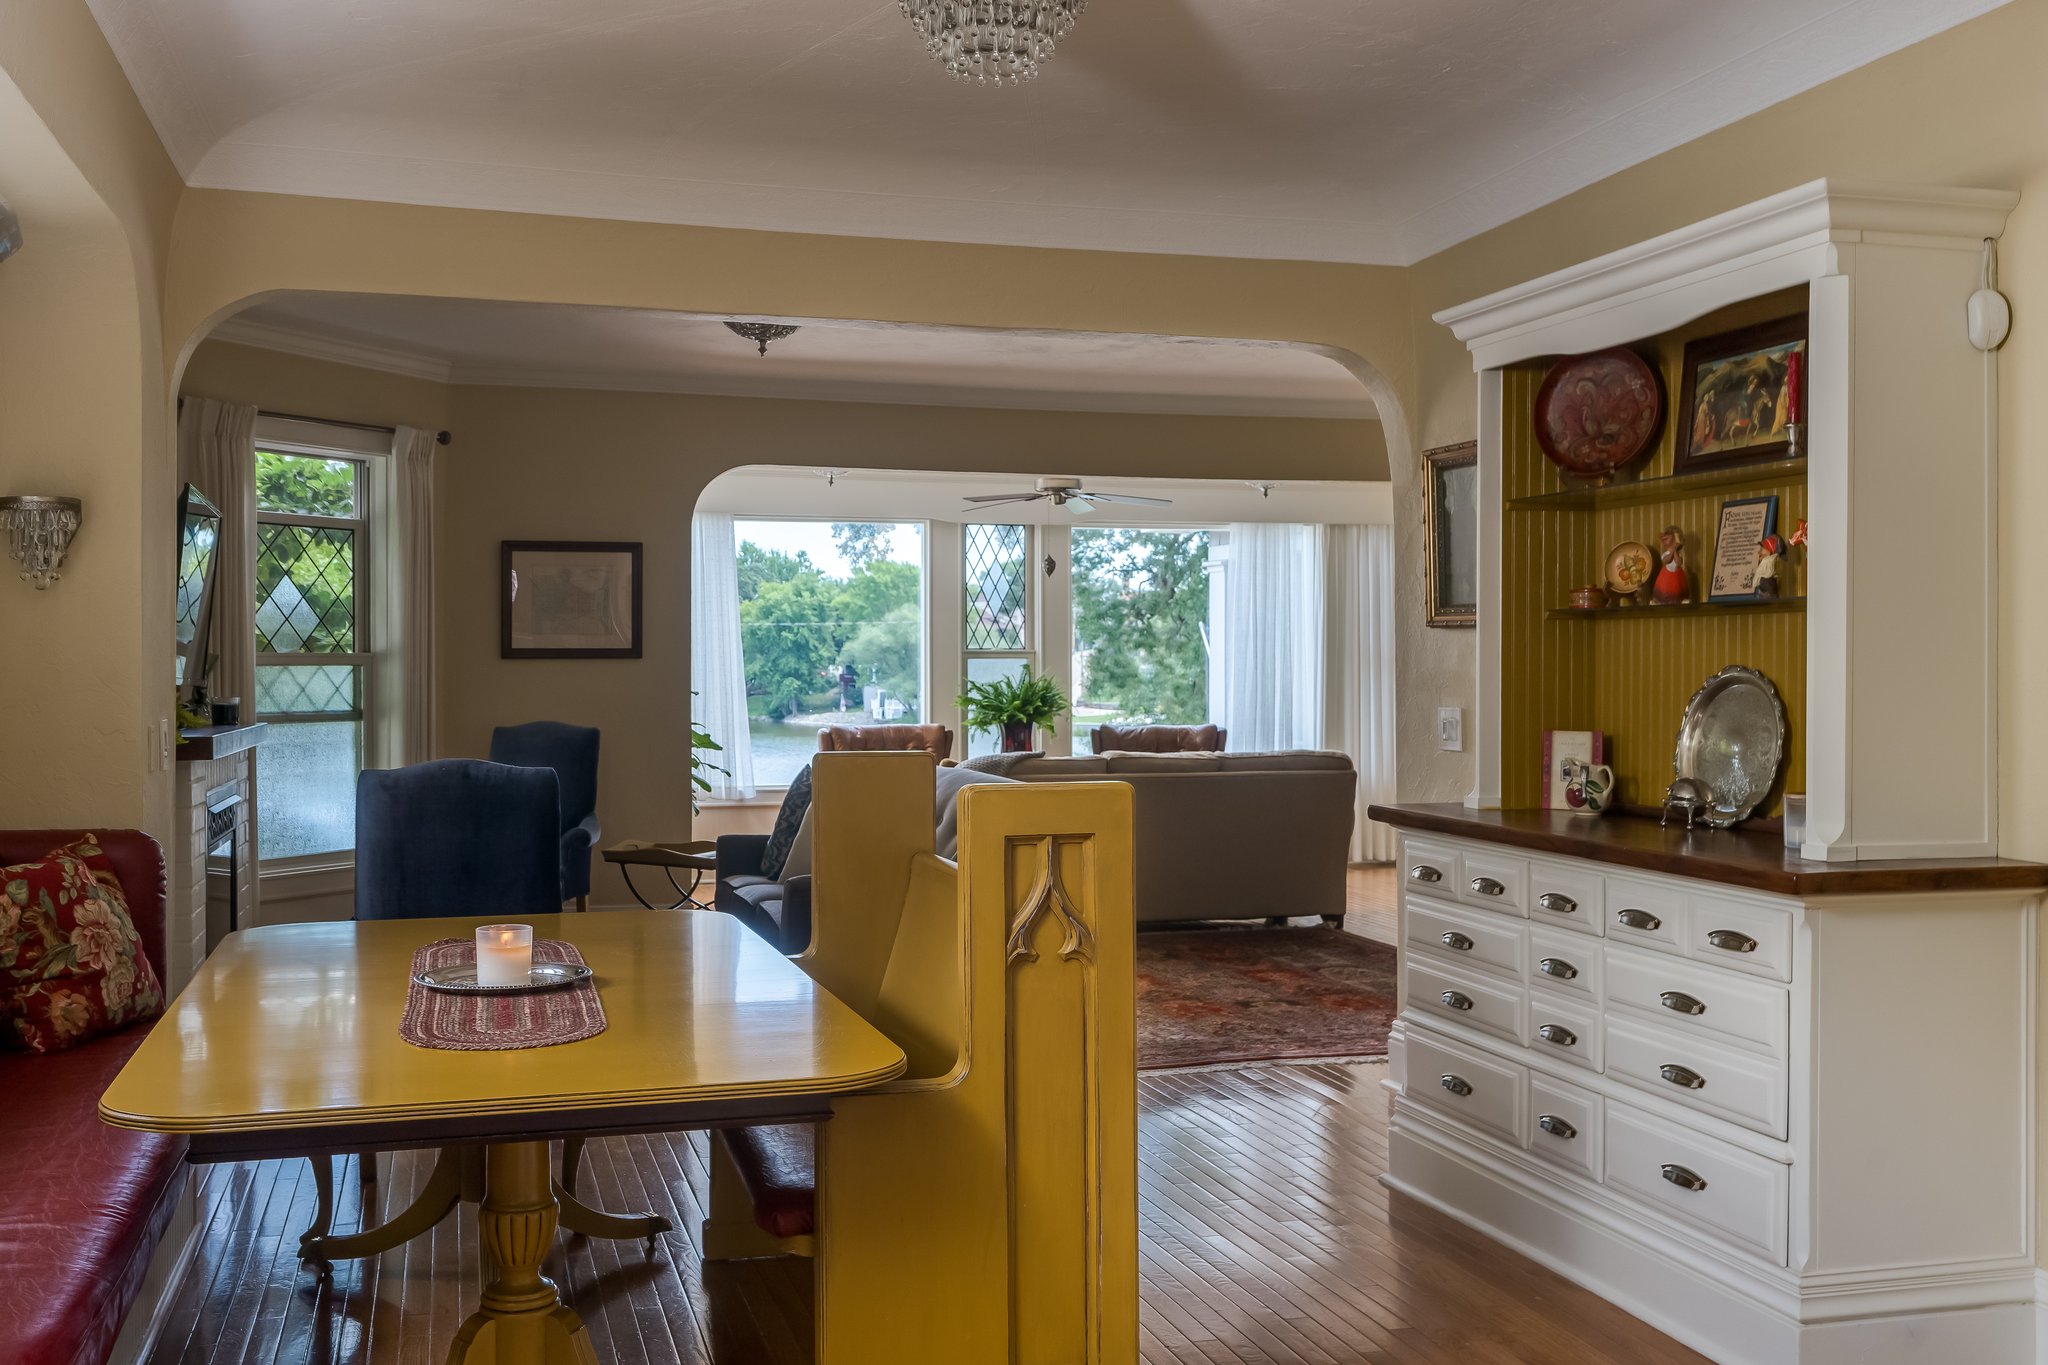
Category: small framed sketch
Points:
column 569, row 599
column 1450, row 511
column 1739, row 547
column 1743, row 397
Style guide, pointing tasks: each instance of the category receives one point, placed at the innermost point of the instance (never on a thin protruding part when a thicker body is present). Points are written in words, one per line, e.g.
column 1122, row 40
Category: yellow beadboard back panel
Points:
column 1629, row 677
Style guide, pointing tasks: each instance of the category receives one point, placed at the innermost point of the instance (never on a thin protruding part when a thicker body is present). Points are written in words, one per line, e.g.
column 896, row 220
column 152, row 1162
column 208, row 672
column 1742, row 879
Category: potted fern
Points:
column 1015, row 708
column 701, row 767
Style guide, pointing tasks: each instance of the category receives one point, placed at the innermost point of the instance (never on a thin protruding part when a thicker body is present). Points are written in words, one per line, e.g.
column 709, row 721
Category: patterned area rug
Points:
column 1213, row 996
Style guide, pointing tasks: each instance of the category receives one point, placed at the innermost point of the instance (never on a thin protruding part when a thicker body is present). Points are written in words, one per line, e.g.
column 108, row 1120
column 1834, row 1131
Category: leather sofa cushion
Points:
column 82, row 1206
column 778, row 1165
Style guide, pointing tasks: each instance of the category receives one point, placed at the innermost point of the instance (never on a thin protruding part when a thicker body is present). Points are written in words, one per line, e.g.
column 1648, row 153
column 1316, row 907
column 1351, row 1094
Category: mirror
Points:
column 198, row 548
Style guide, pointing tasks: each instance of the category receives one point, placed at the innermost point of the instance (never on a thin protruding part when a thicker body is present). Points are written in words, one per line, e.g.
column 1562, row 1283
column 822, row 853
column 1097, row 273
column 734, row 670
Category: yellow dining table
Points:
column 286, row 1043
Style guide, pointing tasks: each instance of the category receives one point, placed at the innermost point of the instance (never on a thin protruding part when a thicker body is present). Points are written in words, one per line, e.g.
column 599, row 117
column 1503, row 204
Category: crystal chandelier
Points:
column 992, row 40
column 761, row 333
column 39, row 531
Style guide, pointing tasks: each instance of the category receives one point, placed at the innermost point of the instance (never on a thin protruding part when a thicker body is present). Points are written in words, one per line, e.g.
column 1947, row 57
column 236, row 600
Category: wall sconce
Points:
column 39, row 531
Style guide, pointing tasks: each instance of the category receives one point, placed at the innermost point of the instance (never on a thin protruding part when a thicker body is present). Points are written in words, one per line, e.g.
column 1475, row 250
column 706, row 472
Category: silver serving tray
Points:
column 1732, row 742
column 544, row 976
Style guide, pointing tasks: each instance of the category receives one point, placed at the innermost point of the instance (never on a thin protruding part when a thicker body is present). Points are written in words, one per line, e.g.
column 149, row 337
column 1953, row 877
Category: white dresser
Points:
column 1783, row 1111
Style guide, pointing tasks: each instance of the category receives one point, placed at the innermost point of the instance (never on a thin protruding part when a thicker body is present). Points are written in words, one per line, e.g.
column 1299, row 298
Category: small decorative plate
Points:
column 461, row 979
column 1598, row 413
column 1629, row 566
column 1732, row 743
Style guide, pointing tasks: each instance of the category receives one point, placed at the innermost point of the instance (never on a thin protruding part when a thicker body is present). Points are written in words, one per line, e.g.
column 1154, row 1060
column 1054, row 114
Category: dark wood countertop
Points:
column 219, row 741
column 1735, row 857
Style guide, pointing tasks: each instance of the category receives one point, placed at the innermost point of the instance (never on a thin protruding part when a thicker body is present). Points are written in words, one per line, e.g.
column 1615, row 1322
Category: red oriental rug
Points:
column 1208, row 997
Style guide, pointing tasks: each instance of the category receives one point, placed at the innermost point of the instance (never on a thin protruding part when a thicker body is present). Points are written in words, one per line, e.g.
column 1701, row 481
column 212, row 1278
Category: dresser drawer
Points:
column 1693, row 998
column 1565, row 895
column 1715, row 1079
column 1749, row 938
column 1496, row 881
column 1564, row 1125
column 1468, row 996
column 1570, row 963
column 1484, row 1091
column 1431, row 867
column 1648, row 913
column 1738, row 1195
column 1564, row 1028
column 1465, row 936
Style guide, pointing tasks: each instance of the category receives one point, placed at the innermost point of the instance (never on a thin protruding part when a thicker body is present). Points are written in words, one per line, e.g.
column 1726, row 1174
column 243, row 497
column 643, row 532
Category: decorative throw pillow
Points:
column 788, row 820
column 72, row 966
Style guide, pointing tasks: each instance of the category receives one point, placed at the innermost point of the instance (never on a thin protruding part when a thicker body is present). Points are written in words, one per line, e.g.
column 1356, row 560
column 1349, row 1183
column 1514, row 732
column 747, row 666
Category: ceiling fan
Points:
column 1062, row 491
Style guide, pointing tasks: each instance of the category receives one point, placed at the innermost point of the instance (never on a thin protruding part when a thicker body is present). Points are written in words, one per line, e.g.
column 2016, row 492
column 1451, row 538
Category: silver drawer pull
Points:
column 1684, row 1179
column 1557, row 967
column 1558, row 1034
column 1682, row 1075
column 1556, row 903
column 1729, row 941
column 1681, row 1002
column 1457, row 1000
column 1423, row 872
column 1457, row 1085
column 1639, row 919
column 1556, row 1127
column 1457, row 941
column 1487, row 886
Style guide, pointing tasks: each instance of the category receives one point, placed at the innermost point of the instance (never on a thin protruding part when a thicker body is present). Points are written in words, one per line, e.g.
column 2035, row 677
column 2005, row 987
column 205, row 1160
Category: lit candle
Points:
column 1795, row 370
column 504, row 954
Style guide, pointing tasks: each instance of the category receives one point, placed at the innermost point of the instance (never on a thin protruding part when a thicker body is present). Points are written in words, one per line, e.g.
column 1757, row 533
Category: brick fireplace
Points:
column 213, row 861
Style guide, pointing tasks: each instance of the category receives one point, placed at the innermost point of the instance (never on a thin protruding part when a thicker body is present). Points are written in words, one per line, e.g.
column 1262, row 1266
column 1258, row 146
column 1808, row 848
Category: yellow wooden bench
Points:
column 983, row 1207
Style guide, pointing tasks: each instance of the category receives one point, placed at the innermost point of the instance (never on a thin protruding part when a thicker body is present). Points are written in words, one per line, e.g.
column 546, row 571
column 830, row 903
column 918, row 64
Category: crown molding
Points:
column 364, row 355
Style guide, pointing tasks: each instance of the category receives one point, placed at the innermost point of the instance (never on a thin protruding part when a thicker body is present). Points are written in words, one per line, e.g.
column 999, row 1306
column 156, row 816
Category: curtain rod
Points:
column 440, row 437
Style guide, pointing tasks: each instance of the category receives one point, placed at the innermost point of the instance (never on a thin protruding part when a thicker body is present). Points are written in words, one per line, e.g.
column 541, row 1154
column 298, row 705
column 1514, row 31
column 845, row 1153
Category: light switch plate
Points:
column 163, row 743
column 1450, row 729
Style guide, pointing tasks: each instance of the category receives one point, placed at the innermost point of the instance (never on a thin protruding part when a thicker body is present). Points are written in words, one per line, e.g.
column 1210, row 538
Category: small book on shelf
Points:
column 1587, row 746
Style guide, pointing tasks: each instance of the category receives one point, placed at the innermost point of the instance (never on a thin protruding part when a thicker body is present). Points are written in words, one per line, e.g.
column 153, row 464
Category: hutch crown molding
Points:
column 1779, row 1104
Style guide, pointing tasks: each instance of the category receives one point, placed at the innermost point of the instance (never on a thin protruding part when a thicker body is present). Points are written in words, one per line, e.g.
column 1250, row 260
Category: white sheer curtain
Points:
column 1359, row 635
column 718, row 670
column 404, row 655
column 217, row 455
column 1272, row 655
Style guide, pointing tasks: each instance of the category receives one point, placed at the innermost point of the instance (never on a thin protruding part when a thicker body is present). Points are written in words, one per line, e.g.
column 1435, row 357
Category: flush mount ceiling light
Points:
column 761, row 333
column 992, row 41
column 39, row 532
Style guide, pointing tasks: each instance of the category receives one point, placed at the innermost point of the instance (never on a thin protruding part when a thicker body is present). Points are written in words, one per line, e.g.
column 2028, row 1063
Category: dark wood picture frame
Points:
column 1441, row 530
column 1741, row 555
column 1709, row 350
column 508, row 566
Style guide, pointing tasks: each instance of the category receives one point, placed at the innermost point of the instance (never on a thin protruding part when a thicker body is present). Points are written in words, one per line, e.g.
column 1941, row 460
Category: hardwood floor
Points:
column 1266, row 1239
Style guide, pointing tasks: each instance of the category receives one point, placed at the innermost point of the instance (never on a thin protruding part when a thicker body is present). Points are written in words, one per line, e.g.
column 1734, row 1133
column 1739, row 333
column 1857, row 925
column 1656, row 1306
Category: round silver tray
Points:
column 461, row 978
column 1732, row 742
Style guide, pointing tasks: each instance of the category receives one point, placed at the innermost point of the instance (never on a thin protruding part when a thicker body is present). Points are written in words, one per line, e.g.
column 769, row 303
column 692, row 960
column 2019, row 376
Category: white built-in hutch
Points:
column 1780, row 1105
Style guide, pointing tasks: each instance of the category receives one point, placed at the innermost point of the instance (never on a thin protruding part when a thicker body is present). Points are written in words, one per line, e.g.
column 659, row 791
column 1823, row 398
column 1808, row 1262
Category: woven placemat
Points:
column 457, row 1022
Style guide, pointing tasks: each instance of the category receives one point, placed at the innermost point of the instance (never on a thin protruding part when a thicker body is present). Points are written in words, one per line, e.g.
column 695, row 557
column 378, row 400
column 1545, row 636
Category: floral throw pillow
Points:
column 72, row 966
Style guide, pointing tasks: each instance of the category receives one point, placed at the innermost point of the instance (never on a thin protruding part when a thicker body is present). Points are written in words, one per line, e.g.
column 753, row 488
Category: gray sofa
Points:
column 1226, row 836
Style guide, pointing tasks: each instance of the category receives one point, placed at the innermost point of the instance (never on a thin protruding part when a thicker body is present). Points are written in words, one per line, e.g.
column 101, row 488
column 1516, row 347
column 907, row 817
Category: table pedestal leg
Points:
column 520, row 1320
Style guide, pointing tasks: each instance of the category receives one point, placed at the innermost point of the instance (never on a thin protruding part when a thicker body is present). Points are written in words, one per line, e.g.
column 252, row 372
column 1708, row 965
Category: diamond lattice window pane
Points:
column 305, row 590
column 305, row 689
column 996, row 581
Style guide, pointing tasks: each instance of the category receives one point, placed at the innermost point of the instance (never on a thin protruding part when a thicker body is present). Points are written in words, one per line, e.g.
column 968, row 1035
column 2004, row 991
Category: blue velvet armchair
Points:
column 571, row 750
column 457, row 836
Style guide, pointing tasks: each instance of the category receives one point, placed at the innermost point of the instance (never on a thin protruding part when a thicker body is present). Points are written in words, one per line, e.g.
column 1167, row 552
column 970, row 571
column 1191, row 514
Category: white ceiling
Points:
column 556, row 346
column 1311, row 129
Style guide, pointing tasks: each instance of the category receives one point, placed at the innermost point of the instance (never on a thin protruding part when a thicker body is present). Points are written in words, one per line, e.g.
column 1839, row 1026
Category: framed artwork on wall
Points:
column 1739, row 547
column 1743, row 397
column 569, row 599
column 1450, row 516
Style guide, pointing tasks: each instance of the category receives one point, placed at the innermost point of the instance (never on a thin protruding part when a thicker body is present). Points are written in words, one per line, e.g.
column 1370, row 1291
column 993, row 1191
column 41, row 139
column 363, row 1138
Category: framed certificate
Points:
column 1738, row 547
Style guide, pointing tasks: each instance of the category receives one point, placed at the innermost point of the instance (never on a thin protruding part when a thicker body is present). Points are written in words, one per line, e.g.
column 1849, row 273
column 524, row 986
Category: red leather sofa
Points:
column 83, row 1205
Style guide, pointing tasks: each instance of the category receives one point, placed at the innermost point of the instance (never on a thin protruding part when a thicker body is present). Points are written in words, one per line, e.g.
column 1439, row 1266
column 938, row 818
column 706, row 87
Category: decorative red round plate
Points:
column 1597, row 413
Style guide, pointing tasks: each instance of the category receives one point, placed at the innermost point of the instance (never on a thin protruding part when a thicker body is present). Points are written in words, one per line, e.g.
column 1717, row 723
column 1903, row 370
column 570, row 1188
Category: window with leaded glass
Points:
column 996, row 594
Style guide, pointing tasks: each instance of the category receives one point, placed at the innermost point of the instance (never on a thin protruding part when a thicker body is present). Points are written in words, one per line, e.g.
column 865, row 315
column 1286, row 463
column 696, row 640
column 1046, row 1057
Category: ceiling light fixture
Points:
column 1265, row 488
column 992, row 40
column 10, row 231
column 761, row 333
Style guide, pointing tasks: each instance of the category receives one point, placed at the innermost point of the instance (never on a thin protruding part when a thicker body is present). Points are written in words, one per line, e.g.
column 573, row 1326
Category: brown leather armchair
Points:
column 840, row 738
column 1160, row 739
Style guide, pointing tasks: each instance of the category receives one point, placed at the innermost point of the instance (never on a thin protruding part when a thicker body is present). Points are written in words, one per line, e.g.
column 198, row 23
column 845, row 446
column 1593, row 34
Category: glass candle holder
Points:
column 1795, row 822
column 504, row 954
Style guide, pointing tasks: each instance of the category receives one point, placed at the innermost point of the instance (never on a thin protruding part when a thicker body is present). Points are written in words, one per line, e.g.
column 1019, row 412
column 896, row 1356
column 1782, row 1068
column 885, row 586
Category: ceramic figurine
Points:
column 1588, row 787
column 1671, row 584
column 1770, row 555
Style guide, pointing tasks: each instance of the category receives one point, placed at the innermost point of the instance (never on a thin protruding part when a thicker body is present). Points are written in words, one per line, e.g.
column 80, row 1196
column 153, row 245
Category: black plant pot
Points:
column 1018, row 736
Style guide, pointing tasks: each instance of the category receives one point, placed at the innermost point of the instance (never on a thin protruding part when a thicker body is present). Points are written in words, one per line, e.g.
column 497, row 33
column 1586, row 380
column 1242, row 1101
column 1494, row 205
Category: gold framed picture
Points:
column 1450, row 515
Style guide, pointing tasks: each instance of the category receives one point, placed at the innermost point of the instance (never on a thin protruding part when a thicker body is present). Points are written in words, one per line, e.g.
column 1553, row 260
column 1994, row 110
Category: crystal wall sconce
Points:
column 39, row 531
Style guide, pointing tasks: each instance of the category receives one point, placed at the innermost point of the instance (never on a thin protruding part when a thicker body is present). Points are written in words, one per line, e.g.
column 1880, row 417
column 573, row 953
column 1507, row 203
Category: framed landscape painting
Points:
column 569, row 599
column 1743, row 392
